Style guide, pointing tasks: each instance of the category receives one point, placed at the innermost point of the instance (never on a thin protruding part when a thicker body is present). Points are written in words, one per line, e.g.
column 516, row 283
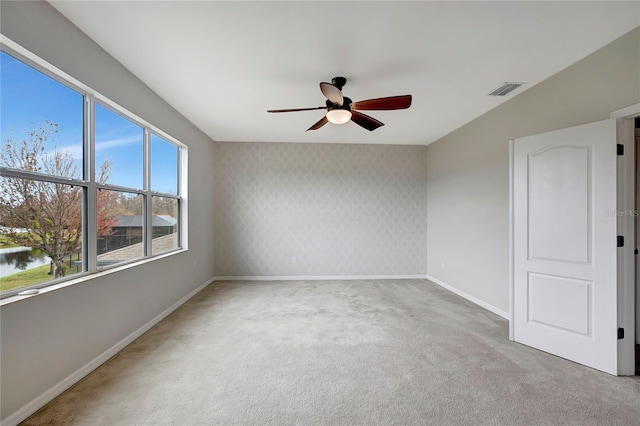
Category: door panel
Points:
column 564, row 243
column 561, row 303
column 560, row 177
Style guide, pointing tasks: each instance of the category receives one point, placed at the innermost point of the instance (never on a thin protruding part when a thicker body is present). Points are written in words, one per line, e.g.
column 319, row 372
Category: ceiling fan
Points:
column 341, row 109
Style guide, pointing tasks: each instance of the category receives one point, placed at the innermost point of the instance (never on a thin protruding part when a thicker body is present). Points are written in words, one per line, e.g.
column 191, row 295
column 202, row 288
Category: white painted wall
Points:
column 467, row 171
column 338, row 209
column 47, row 338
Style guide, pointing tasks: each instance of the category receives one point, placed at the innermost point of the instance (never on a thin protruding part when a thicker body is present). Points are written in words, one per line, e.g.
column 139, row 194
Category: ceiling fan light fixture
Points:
column 338, row 116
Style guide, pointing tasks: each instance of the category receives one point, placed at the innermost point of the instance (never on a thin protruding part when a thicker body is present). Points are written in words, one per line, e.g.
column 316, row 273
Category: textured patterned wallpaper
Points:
column 339, row 209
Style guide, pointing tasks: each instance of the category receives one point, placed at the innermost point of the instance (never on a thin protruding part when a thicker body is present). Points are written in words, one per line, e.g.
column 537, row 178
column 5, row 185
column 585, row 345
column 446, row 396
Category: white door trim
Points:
column 511, row 233
column 628, row 112
column 626, row 226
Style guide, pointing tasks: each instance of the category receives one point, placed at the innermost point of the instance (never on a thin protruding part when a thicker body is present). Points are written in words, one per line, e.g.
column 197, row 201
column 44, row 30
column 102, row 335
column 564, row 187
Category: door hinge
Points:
column 620, row 241
column 635, row 251
column 620, row 149
column 620, row 333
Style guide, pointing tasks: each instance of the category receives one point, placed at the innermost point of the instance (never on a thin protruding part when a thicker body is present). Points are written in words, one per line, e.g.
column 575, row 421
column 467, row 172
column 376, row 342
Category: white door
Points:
column 564, row 280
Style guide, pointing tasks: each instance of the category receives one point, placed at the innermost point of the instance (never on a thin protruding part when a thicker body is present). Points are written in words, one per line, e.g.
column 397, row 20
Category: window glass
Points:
column 41, row 121
column 119, row 149
column 44, row 196
column 41, row 233
column 165, row 224
column 164, row 166
column 120, row 227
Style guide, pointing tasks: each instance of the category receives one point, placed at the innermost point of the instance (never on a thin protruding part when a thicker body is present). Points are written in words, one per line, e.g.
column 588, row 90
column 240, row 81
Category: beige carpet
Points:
column 338, row 353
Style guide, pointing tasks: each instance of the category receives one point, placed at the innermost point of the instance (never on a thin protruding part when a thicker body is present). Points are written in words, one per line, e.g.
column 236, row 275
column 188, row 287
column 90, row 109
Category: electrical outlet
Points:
column 294, row 259
column 442, row 264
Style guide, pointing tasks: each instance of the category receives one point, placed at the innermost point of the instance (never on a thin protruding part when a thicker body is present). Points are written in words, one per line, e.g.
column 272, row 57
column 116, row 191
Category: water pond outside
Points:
column 17, row 259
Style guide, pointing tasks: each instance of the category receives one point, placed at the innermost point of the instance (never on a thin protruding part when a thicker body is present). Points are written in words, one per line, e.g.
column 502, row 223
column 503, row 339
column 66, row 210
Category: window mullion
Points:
column 148, row 210
column 91, row 198
column 27, row 174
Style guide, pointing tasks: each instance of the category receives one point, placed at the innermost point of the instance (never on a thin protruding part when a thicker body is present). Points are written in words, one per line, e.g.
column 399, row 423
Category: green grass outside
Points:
column 25, row 278
column 32, row 276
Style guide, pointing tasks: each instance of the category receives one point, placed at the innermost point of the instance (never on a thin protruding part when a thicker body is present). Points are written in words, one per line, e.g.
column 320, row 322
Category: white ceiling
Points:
column 223, row 64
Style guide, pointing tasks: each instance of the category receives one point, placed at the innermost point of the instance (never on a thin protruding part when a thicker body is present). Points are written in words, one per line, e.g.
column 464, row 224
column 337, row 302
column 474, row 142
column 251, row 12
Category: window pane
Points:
column 41, row 116
column 164, row 166
column 120, row 227
column 41, row 232
column 165, row 224
column 119, row 150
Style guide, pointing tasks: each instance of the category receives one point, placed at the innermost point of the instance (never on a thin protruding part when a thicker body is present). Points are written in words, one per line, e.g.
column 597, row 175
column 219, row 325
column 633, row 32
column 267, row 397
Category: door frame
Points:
column 626, row 226
column 627, row 297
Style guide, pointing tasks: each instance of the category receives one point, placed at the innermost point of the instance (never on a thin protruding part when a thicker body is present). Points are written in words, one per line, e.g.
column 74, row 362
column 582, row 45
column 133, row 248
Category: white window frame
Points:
column 88, row 182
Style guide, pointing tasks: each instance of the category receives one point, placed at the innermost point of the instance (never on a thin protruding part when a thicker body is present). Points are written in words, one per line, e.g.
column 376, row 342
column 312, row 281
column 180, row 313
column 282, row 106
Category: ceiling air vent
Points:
column 505, row 88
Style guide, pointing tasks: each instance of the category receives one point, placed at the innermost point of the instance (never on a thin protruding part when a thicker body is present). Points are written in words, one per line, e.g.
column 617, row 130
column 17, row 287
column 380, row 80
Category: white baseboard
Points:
column 317, row 277
column 470, row 298
column 37, row 403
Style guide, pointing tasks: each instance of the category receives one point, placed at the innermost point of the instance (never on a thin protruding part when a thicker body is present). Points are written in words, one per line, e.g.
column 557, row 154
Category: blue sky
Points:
column 28, row 98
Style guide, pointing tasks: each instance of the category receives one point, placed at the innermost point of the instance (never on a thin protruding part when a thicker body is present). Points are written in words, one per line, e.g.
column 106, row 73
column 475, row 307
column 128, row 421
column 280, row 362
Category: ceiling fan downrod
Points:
column 339, row 82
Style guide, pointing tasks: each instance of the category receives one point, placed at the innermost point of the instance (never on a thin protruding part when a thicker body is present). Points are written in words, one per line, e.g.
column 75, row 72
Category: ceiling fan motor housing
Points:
column 339, row 82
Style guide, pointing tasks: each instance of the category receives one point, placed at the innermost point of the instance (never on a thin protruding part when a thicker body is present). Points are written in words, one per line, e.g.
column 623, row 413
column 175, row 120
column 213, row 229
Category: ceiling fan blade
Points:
column 319, row 124
column 332, row 93
column 296, row 109
column 389, row 103
column 365, row 121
